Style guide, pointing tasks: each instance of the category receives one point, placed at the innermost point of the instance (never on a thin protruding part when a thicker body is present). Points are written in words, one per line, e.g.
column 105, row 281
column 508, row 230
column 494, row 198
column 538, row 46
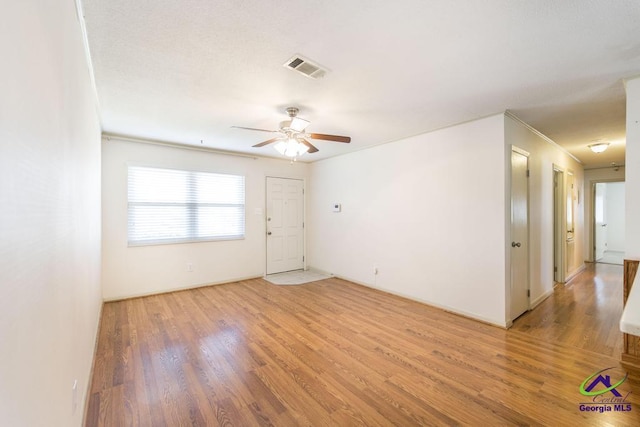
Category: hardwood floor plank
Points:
column 335, row 353
column 280, row 382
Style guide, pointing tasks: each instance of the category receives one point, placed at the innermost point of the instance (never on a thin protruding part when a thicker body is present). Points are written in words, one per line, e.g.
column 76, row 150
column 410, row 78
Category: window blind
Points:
column 179, row 206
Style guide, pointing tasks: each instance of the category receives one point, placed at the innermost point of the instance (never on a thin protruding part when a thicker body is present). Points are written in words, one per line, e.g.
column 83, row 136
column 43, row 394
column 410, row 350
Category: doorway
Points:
column 558, row 225
column 519, row 295
column 609, row 222
column 285, row 225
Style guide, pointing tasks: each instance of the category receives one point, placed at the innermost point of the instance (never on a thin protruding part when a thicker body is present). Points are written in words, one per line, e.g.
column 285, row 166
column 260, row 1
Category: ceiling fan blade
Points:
column 267, row 142
column 260, row 130
column 334, row 138
column 312, row 148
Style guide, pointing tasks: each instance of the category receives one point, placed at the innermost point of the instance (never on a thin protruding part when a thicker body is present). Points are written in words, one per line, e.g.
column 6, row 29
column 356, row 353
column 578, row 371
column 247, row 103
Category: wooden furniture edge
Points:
column 629, row 358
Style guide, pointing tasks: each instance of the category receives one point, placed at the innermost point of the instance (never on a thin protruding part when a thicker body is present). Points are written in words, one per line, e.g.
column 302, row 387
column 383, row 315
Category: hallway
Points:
column 584, row 313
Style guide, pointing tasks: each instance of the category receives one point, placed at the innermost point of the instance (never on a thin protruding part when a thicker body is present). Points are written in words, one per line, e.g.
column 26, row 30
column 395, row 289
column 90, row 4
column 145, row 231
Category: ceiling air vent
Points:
column 304, row 66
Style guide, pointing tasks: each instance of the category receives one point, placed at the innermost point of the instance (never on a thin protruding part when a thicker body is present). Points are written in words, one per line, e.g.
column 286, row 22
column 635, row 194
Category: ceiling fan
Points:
column 292, row 140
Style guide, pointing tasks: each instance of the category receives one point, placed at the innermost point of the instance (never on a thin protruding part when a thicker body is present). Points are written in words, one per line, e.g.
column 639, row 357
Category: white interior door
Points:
column 570, row 206
column 558, row 226
column 519, row 234
column 600, row 217
column 285, row 225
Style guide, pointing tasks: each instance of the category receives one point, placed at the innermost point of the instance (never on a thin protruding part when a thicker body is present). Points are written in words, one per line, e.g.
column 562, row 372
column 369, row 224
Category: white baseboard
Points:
column 181, row 288
column 459, row 312
column 87, row 391
column 541, row 298
column 577, row 271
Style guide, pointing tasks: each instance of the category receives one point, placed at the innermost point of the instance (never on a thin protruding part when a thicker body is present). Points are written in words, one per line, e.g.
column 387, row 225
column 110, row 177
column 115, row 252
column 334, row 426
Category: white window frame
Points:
column 198, row 185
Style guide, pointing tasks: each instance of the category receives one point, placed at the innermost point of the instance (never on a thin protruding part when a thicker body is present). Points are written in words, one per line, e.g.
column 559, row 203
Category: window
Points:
column 177, row 206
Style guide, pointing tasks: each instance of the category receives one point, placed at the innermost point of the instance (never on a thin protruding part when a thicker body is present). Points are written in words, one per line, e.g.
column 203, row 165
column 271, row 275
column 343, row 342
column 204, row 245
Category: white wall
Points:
column 632, row 163
column 134, row 271
column 592, row 176
column 543, row 156
column 615, row 216
column 427, row 211
column 49, row 215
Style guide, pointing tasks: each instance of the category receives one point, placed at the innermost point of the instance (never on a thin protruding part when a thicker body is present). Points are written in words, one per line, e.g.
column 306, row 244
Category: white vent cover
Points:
column 306, row 67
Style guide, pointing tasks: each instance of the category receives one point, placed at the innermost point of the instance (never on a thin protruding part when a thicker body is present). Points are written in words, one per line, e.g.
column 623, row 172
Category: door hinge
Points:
column 555, row 269
column 303, row 225
column 302, row 258
column 527, row 173
column 528, row 293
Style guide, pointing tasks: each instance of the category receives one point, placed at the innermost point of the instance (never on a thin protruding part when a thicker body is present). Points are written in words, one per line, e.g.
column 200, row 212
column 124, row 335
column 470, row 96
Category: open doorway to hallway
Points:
column 608, row 222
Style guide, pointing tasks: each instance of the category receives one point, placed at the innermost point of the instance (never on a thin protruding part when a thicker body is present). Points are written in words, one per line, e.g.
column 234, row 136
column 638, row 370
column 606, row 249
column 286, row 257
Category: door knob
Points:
column 515, row 244
column 269, row 233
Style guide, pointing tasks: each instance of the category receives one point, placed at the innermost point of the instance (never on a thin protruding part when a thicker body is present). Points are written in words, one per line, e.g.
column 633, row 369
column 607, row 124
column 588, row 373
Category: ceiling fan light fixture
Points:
column 291, row 148
column 599, row 147
column 293, row 141
column 302, row 148
column 298, row 124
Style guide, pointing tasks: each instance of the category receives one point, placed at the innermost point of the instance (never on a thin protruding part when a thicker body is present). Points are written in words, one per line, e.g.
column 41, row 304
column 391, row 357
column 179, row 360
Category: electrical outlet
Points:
column 190, row 267
column 74, row 396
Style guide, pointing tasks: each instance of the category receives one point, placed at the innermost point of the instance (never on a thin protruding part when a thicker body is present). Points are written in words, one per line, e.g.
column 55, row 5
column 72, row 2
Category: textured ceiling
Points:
column 186, row 71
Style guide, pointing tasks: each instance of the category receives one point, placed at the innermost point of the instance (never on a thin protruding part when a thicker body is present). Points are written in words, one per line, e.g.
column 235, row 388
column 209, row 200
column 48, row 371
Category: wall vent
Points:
column 306, row 67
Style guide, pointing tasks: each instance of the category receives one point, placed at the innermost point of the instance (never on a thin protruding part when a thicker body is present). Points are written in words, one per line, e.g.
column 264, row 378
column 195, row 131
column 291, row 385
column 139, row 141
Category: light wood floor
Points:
column 585, row 313
column 332, row 353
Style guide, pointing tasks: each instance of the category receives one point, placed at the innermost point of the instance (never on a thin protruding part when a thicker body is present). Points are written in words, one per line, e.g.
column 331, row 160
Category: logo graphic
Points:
column 597, row 387
column 606, row 381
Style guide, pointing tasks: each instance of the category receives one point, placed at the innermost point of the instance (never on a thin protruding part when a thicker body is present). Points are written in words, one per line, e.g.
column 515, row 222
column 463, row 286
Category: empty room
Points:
column 356, row 213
